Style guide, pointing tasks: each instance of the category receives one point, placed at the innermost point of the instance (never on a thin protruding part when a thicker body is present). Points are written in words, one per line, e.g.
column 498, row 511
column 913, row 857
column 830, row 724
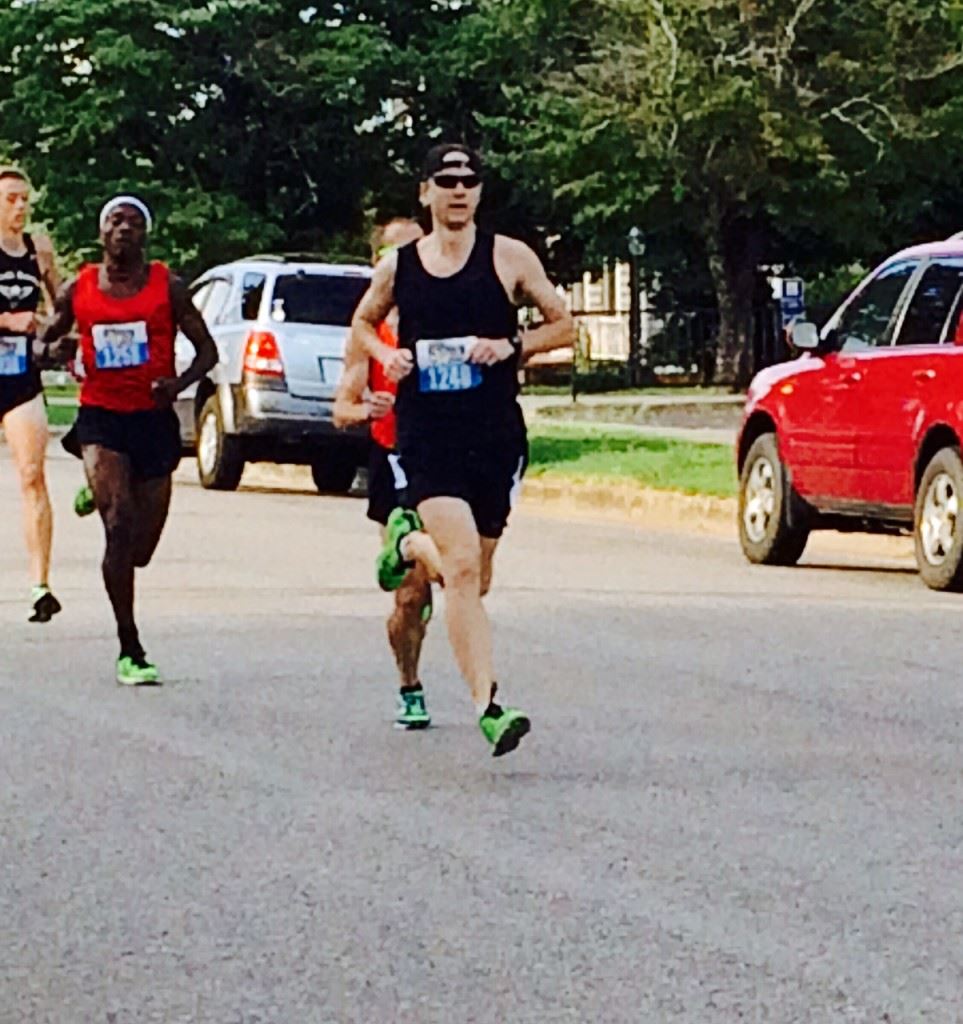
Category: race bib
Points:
column 120, row 346
column 13, row 356
column 443, row 365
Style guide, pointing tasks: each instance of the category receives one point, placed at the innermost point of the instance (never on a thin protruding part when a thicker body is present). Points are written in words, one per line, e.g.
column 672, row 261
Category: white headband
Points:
column 112, row 205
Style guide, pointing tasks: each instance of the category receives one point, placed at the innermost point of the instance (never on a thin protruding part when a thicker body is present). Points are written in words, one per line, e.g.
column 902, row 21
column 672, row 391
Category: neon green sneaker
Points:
column 412, row 712
column 84, row 502
column 390, row 565
column 504, row 728
column 136, row 672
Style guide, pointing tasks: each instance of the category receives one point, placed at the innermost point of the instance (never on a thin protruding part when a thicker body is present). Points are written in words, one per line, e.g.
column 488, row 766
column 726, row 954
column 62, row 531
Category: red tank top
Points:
column 125, row 344
column 385, row 430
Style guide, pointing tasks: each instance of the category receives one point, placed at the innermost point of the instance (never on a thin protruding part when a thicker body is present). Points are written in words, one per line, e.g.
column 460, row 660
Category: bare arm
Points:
column 534, row 288
column 523, row 277
column 350, row 408
column 190, row 322
column 377, row 303
column 48, row 268
column 53, row 347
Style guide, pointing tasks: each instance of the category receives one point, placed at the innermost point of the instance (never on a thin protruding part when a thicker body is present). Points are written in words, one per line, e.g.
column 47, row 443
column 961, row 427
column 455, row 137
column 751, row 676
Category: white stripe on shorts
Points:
column 401, row 481
column 516, row 492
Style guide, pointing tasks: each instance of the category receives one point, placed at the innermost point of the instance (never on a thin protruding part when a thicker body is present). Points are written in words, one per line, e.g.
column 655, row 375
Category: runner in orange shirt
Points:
column 365, row 395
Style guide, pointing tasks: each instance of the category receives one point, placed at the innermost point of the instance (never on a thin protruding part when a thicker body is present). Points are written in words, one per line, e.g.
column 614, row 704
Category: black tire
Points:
column 333, row 472
column 939, row 552
column 220, row 461
column 775, row 536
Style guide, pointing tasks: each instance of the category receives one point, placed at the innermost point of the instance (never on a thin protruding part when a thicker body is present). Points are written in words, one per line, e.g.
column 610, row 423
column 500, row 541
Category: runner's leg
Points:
column 406, row 625
column 109, row 475
column 466, row 561
column 27, row 435
column 419, row 547
column 488, row 547
column 450, row 523
column 152, row 500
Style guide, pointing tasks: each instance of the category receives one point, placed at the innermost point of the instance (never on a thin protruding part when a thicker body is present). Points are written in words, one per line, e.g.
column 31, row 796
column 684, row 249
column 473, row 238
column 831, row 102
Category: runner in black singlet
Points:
column 461, row 435
column 26, row 271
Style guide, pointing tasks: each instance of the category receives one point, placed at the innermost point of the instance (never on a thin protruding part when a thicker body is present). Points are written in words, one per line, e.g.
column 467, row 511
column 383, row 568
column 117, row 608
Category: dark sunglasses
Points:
column 454, row 180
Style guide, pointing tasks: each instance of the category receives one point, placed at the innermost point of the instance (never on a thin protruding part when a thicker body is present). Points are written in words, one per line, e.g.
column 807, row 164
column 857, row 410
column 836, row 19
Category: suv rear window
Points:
column 317, row 298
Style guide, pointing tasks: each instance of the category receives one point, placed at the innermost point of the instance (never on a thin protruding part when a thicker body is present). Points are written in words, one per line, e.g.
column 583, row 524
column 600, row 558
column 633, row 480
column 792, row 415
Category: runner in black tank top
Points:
column 461, row 436
column 26, row 268
column 441, row 405
column 19, row 293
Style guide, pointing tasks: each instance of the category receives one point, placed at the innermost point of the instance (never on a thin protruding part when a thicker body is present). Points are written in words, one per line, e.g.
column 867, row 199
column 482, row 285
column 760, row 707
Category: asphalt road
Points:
column 741, row 800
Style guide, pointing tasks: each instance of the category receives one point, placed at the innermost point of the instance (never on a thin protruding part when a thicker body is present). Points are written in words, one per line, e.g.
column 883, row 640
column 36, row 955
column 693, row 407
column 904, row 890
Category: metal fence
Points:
column 676, row 349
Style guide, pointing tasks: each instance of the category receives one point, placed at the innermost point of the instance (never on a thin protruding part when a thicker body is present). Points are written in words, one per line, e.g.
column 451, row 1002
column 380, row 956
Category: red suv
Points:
column 863, row 431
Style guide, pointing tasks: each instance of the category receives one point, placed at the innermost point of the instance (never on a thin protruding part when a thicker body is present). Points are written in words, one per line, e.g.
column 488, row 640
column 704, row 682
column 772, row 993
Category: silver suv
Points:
column 280, row 323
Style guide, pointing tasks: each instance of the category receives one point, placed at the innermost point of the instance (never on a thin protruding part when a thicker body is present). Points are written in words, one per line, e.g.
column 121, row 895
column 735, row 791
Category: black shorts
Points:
column 150, row 439
column 487, row 477
column 383, row 478
column 18, row 390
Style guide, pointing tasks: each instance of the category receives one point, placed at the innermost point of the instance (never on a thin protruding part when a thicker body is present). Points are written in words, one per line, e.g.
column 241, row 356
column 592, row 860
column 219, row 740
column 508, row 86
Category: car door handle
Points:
column 852, row 377
column 922, row 376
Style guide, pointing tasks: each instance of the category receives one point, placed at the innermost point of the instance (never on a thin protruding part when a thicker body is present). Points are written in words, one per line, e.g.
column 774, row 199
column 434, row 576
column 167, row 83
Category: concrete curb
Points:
column 628, row 500
column 556, row 494
column 562, row 495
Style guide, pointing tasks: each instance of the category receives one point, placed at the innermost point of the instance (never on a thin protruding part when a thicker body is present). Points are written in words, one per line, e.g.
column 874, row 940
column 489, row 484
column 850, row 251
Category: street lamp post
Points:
column 636, row 251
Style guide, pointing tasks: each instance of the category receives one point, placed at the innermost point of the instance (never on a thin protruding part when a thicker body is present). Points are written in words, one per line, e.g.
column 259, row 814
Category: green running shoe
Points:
column 390, row 565
column 504, row 728
column 84, row 502
column 136, row 672
column 412, row 712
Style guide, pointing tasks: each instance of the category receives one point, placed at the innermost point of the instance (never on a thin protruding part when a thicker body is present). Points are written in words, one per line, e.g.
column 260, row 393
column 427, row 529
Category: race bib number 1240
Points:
column 443, row 365
column 120, row 346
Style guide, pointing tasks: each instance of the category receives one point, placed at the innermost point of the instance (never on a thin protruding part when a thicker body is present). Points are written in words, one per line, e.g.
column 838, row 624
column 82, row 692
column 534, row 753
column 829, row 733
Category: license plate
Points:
column 331, row 369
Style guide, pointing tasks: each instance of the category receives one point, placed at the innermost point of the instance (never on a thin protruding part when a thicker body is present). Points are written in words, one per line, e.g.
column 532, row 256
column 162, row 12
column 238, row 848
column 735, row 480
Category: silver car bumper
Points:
column 279, row 418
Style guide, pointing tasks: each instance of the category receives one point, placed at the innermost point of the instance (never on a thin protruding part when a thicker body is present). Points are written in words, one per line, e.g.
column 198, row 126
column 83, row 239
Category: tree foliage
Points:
column 741, row 132
column 807, row 133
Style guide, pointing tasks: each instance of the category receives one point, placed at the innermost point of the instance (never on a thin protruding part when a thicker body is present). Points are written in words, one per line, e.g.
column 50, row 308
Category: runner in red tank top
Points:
column 365, row 395
column 128, row 312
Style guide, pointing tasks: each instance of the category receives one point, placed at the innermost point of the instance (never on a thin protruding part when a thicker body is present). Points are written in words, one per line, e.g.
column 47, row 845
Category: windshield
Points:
column 317, row 298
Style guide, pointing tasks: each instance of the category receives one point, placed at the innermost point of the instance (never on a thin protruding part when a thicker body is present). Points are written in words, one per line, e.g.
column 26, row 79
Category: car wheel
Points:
column 773, row 519
column 333, row 472
column 938, row 522
column 220, row 462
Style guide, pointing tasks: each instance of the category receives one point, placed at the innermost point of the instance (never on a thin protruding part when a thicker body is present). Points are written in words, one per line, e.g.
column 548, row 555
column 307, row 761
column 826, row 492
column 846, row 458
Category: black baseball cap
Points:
column 451, row 156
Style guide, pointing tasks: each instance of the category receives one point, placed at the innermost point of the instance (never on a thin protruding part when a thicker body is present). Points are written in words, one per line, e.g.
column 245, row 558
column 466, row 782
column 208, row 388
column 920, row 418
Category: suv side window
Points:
column 864, row 323
column 200, row 293
column 252, row 292
column 935, row 301
column 217, row 300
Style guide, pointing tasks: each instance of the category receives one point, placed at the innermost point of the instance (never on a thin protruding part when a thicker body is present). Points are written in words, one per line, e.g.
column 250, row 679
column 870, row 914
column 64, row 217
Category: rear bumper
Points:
column 279, row 427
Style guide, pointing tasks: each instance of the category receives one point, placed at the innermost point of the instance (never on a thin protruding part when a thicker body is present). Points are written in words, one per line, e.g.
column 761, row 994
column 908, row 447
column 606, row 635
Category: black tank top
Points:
column 19, row 293
column 446, row 400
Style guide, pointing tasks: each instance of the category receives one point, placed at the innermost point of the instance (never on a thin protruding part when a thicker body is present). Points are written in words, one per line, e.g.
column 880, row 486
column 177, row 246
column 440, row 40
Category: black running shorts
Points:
column 18, row 390
column 383, row 477
column 487, row 477
column 150, row 439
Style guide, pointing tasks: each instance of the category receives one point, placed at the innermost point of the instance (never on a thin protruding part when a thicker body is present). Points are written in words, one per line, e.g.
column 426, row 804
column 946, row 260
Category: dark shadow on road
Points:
column 893, row 570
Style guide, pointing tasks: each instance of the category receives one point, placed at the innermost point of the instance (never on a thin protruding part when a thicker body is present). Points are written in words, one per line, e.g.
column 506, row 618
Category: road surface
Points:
column 741, row 800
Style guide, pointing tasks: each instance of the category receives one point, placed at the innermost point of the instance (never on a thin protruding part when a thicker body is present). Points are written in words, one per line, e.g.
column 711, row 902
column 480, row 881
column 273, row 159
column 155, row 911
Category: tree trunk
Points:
column 734, row 248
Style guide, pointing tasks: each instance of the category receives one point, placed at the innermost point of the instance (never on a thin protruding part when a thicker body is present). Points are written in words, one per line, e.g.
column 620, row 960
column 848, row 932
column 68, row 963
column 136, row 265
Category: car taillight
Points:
column 262, row 357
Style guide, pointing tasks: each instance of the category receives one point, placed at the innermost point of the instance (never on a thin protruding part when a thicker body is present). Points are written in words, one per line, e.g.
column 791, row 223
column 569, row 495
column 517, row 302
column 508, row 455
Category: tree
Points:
column 241, row 122
column 761, row 130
